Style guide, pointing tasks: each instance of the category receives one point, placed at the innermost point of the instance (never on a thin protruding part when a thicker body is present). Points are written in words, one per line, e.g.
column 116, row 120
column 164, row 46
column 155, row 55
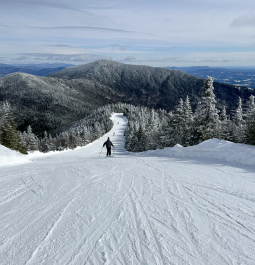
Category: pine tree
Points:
column 225, row 126
column 250, row 113
column 45, row 145
column 31, row 140
column 223, row 116
column 206, row 124
column 250, row 118
column 238, row 117
column 188, row 122
column 240, row 128
column 9, row 136
column 250, row 133
column 188, row 114
column 178, row 123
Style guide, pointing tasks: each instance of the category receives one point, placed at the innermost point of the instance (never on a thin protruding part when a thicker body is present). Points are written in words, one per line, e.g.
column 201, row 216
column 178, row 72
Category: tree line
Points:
column 151, row 129
column 147, row 128
column 80, row 134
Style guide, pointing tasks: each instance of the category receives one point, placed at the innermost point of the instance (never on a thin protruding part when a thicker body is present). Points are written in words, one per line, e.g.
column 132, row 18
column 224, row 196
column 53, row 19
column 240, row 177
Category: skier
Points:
column 108, row 145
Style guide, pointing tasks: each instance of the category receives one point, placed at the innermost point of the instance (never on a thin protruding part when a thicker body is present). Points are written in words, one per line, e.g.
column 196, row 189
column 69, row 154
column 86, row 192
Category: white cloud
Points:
column 116, row 27
column 77, row 58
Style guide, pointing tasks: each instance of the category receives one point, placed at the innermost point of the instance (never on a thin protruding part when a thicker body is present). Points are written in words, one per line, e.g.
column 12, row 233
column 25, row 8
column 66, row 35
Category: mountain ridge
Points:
column 55, row 102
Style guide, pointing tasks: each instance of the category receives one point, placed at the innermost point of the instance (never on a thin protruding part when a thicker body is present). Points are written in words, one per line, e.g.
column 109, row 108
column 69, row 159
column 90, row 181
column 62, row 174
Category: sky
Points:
column 146, row 32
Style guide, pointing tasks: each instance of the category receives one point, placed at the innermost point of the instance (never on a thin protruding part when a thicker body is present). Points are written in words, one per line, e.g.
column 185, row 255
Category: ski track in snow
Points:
column 78, row 208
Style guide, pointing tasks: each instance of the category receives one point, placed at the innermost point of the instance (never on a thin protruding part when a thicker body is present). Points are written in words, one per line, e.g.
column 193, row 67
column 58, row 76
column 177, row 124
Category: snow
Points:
column 215, row 149
column 179, row 205
column 12, row 157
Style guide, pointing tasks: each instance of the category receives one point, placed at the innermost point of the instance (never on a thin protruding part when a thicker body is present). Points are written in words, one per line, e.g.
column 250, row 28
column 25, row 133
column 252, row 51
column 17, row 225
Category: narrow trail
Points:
column 75, row 207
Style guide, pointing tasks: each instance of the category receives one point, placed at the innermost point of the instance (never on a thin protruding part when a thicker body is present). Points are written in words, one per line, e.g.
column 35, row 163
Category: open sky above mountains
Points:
column 151, row 32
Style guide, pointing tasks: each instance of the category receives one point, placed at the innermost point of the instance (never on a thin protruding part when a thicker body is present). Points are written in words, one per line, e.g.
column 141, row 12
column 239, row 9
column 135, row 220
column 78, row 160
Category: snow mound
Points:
column 11, row 157
column 222, row 150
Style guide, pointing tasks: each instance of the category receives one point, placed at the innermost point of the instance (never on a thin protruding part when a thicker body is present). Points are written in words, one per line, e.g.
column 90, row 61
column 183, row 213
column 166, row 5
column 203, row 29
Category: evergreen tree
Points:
column 250, row 133
column 250, row 113
column 142, row 144
column 188, row 114
column 225, row 126
column 9, row 136
column 223, row 116
column 188, row 123
column 178, row 123
column 240, row 128
column 238, row 116
column 45, row 145
column 206, row 124
column 31, row 140
column 250, row 118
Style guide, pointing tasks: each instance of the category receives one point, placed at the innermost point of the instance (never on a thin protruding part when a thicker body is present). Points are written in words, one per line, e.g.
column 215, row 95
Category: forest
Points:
column 147, row 129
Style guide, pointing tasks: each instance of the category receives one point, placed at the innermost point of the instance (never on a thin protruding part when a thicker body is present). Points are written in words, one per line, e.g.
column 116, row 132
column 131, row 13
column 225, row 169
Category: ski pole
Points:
column 101, row 151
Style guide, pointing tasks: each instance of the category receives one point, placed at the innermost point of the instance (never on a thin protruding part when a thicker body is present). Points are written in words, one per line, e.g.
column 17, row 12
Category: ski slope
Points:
column 157, row 207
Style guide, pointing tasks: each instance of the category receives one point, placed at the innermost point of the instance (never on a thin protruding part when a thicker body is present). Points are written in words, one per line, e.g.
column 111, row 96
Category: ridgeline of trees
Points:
column 85, row 131
column 147, row 129
column 150, row 129
column 82, row 133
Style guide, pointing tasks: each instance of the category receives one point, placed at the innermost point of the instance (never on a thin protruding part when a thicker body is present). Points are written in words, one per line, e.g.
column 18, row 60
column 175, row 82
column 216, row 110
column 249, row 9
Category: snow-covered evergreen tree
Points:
column 31, row 140
column 240, row 124
column 238, row 116
column 250, row 120
column 250, row 112
column 188, row 113
column 9, row 136
column 206, row 118
column 223, row 116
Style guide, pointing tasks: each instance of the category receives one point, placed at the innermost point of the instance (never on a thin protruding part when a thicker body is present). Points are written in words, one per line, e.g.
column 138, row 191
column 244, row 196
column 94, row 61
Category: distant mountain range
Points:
column 34, row 69
column 55, row 102
column 239, row 76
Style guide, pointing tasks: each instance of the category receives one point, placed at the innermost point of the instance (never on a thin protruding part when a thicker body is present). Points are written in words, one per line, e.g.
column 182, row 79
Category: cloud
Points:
column 78, row 58
column 21, row 58
column 247, row 20
column 252, row 45
column 152, row 60
column 130, row 59
column 59, row 45
column 117, row 47
column 132, row 31
column 82, row 28
column 38, row 3
column 71, row 28
column 194, row 59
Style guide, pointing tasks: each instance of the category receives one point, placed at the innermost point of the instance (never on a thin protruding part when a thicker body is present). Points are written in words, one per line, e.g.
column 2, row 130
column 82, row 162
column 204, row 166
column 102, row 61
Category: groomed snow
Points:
column 179, row 205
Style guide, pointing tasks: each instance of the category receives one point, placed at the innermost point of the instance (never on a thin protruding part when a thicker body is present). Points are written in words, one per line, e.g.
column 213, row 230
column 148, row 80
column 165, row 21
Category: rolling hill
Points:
column 53, row 103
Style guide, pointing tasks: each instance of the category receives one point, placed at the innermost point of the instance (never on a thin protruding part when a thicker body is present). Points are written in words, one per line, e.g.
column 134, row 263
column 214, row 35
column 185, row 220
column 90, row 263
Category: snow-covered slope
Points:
column 151, row 208
column 215, row 149
column 10, row 157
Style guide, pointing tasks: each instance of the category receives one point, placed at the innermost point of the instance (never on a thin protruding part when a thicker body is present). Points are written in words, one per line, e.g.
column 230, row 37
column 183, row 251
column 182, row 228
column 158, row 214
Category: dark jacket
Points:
column 108, row 144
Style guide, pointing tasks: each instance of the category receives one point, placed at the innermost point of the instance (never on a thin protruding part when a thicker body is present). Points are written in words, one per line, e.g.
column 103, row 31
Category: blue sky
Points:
column 151, row 32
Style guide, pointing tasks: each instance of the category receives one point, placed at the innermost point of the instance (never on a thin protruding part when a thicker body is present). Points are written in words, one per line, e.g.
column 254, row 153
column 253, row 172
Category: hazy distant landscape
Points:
column 239, row 76
column 233, row 76
column 42, row 69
